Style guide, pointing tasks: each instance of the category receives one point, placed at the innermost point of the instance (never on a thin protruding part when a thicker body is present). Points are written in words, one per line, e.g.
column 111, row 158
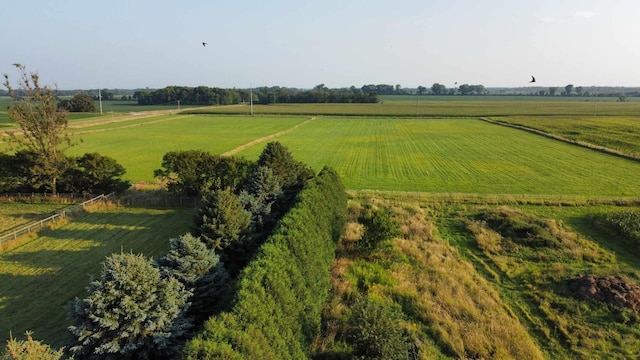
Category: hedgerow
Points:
column 276, row 312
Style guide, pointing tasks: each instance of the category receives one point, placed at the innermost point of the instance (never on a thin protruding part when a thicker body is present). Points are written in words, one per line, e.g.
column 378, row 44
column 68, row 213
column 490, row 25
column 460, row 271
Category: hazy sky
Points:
column 297, row 43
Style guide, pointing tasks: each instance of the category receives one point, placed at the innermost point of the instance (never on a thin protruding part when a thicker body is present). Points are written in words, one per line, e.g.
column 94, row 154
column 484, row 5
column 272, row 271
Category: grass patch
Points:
column 14, row 214
column 478, row 281
column 621, row 133
column 140, row 148
column 39, row 277
column 455, row 156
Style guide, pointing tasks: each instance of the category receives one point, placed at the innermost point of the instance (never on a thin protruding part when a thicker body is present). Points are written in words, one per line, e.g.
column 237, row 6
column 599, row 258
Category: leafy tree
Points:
column 78, row 103
column 194, row 172
column 291, row 173
column 93, row 173
column 130, row 312
column 373, row 330
column 199, row 269
column 438, row 89
column 579, row 90
column 553, row 90
column 378, row 227
column 422, row 90
column 42, row 123
column 568, row 90
column 29, row 350
column 221, row 219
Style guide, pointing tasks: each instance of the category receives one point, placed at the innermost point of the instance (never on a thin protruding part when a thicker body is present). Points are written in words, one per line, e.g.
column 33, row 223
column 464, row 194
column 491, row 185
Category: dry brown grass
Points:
column 450, row 308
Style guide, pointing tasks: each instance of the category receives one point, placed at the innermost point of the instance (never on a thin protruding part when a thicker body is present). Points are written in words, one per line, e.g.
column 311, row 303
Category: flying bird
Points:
column 533, row 79
column 204, row 44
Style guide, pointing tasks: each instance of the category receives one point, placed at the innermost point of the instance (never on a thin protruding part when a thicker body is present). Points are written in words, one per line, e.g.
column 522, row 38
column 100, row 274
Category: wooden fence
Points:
column 37, row 225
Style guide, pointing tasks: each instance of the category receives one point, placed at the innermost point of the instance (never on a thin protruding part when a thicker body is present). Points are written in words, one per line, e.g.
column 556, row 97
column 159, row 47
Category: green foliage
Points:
column 194, row 172
column 626, row 223
column 29, row 349
column 94, row 174
column 374, row 331
column 259, row 194
column 277, row 307
column 91, row 173
column 78, row 103
column 199, row 269
column 221, row 219
column 43, row 125
column 291, row 173
column 130, row 311
column 379, row 226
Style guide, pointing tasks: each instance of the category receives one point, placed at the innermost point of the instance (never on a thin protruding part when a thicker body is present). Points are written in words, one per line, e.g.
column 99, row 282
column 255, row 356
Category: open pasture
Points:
column 621, row 133
column 436, row 106
column 432, row 155
column 460, row 155
column 40, row 277
column 139, row 148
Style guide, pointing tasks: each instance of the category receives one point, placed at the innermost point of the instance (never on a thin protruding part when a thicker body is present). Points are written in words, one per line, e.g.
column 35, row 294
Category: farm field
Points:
column 395, row 154
column 40, row 276
column 435, row 106
column 620, row 132
column 453, row 156
column 139, row 146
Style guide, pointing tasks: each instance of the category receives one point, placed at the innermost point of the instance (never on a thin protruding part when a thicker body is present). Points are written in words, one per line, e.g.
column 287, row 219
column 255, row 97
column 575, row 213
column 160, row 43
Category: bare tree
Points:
column 43, row 125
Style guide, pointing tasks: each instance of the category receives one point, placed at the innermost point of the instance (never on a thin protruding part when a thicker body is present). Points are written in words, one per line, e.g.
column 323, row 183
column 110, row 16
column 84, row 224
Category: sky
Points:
column 126, row 44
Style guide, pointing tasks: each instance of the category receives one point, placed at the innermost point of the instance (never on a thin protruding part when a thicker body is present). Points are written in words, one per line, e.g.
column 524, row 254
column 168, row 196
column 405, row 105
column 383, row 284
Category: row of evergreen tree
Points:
column 277, row 307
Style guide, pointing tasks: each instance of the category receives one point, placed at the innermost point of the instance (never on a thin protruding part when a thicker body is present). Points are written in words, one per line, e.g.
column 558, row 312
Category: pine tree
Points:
column 221, row 219
column 199, row 269
column 130, row 311
column 29, row 349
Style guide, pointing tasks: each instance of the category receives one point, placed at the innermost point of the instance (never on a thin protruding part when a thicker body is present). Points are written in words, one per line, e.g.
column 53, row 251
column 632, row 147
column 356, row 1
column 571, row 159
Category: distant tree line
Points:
column 203, row 95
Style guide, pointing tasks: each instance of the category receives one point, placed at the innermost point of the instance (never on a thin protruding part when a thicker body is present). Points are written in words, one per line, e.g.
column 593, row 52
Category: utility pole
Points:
column 100, row 100
column 251, row 97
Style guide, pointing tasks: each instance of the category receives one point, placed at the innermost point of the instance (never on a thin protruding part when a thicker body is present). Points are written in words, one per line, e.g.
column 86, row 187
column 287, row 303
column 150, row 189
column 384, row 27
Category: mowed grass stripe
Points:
column 140, row 149
column 458, row 156
column 40, row 277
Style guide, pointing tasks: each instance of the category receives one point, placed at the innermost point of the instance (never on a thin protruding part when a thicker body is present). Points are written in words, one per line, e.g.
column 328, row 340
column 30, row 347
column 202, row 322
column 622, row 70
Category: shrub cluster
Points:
column 626, row 223
column 90, row 173
column 276, row 313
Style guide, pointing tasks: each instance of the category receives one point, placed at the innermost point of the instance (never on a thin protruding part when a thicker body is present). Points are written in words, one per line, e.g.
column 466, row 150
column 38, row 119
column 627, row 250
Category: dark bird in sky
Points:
column 533, row 79
column 204, row 44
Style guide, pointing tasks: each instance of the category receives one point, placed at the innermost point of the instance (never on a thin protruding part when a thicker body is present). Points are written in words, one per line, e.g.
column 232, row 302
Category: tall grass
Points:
column 449, row 309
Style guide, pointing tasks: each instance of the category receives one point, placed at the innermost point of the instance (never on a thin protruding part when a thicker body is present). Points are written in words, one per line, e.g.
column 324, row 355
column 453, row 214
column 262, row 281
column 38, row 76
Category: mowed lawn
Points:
column 140, row 146
column 39, row 278
column 455, row 155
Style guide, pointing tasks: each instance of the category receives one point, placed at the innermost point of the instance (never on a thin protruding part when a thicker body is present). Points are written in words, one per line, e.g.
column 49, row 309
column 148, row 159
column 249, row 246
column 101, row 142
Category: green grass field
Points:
column 435, row 106
column 140, row 148
column 39, row 277
column 16, row 214
column 621, row 133
column 434, row 155
column 461, row 155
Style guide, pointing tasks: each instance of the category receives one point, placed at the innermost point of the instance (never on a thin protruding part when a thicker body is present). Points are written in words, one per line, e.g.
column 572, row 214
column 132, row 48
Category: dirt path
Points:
column 266, row 138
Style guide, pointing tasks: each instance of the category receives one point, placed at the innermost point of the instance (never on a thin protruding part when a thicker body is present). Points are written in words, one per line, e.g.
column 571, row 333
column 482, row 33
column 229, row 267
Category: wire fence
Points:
column 39, row 224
